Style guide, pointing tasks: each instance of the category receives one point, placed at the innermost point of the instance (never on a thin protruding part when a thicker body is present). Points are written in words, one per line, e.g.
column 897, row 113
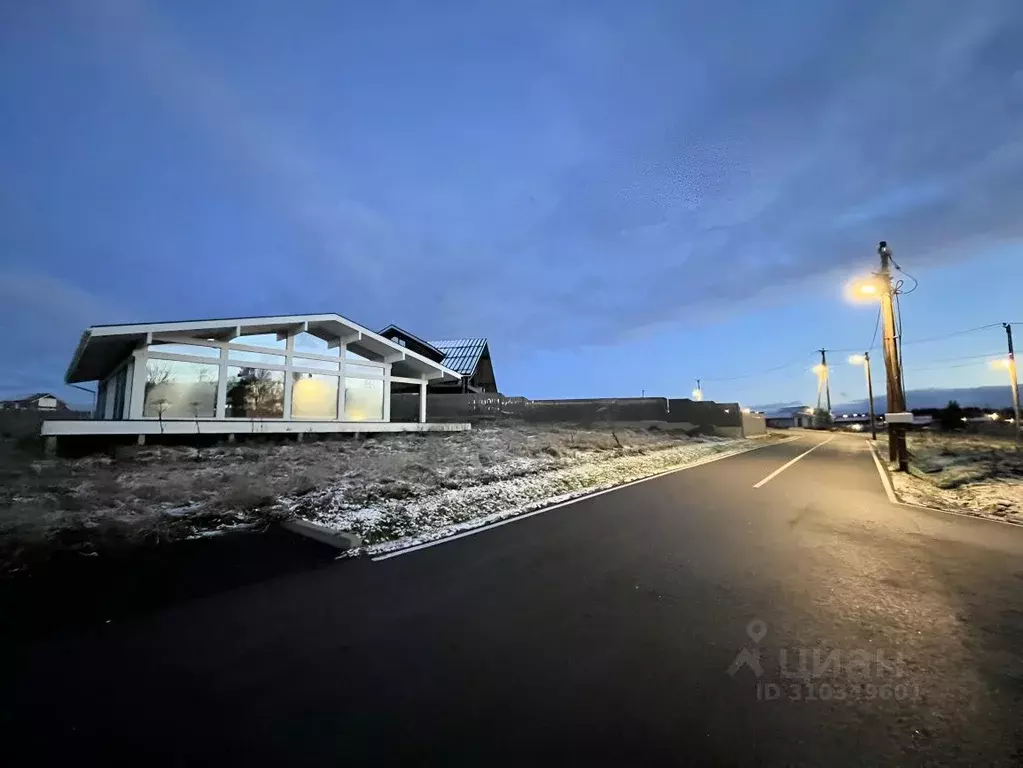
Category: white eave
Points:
column 103, row 347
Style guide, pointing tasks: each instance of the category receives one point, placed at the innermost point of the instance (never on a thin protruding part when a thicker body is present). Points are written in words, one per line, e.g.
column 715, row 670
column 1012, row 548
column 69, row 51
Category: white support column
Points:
column 220, row 410
column 341, row 383
column 137, row 384
column 422, row 402
column 289, row 347
column 387, row 392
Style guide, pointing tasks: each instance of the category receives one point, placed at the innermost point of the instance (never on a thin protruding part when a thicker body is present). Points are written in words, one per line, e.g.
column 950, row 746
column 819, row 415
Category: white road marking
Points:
column 576, row 500
column 884, row 476
column 785, row 466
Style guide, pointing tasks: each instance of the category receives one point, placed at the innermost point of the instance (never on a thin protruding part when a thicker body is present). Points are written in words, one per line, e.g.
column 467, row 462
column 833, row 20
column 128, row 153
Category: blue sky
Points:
column 621, row 196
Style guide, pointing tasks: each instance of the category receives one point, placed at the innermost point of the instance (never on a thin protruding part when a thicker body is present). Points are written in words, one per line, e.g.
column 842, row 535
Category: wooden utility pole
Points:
column 1013, row 378
column 897, row 451
column 870, row 396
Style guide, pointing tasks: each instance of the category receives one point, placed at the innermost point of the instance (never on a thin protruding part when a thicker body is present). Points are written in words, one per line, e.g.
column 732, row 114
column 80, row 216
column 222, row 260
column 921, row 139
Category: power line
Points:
column 758, row 373
column 877, row 324
column 954, row 333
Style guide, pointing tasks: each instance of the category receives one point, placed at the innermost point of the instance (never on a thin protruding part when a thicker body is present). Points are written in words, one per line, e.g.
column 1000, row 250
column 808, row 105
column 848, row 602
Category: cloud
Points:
column 41, row 319
column 670, row 164
column 897, row 124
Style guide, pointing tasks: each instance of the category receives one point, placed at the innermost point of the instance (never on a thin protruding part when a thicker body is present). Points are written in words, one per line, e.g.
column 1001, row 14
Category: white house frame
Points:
column 120, row 358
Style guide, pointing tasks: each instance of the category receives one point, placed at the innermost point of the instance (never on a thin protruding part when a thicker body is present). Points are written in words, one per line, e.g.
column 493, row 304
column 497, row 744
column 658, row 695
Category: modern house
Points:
column 38, row 401
column 470, row 358
column 294, row 373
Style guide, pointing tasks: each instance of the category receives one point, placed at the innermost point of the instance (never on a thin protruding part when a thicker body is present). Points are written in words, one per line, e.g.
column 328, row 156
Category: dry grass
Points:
column 159, row 493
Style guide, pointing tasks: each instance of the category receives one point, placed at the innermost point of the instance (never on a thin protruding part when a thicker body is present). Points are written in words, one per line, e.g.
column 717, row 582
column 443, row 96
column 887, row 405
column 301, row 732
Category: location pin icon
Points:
column 757, row 630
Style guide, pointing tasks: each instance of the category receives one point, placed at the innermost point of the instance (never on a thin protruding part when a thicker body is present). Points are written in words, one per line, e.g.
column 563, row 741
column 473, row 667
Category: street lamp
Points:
column 864, row 289
column 864, row 360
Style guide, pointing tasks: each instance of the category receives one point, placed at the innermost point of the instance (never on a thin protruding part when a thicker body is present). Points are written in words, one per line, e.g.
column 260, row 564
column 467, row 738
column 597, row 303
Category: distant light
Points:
column 857, row 359
column 963, row 419
column 857, row 427
column 697, row 394
column 744, row 410
column 819, row 369
column 993, row 416
column 727, row 411
column 1002, row 362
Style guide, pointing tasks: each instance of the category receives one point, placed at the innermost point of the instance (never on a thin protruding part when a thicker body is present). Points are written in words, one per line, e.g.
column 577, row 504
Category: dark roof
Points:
column 396, row 330
column 33, row 397
column 461, row 355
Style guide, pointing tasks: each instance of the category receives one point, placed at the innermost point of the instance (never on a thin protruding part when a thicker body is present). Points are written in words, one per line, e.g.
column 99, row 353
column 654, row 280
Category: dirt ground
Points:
column 976, row 474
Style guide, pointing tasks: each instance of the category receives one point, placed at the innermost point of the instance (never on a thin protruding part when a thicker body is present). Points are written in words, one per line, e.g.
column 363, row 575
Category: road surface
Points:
column 690, row 619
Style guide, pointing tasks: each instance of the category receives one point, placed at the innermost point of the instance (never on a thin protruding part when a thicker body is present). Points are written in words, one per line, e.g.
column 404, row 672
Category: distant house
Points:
column 468, row 357
column 37, row 401
column 794, row 416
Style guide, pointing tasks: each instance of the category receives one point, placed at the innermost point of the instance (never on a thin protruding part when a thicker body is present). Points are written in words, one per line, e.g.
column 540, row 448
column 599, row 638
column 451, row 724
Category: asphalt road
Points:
column 599, row 633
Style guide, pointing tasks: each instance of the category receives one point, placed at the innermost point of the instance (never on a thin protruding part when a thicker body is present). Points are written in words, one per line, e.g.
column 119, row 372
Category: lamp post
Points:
column 1009, row 364
column 698, row 392
column 879, row 286
column 864, row 360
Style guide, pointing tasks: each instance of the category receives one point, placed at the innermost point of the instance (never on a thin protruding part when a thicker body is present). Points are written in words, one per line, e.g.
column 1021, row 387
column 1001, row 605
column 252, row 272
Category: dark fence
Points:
column 19, row 424
column 722, row 418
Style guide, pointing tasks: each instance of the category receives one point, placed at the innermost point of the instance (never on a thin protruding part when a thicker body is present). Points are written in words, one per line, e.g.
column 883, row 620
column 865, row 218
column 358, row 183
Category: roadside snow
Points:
column 507, row 491
column 962, row 473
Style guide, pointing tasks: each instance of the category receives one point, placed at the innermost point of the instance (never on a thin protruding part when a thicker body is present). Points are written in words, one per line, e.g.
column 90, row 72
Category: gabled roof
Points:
column 103, row 347
column 32, row 398
column 394, row 330
column 462, row 355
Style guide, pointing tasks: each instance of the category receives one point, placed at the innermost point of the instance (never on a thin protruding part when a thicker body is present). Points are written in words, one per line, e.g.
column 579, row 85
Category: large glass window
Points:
column 269, row 340
column 364, row 399
column 313, row 396
column 369, row 370
column 196, row 350
column 254, row 393
column 180, row 390
column 254, row 357
column 308, row 362
column 311, row 343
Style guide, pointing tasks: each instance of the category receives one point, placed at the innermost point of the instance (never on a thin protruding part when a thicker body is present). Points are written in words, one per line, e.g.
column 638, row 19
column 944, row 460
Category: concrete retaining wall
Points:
column 753, row 424
column 725, row 419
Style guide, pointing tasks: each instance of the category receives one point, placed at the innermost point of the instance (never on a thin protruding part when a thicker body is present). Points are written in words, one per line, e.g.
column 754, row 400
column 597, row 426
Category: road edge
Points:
column 385, row 554
column 894, row 498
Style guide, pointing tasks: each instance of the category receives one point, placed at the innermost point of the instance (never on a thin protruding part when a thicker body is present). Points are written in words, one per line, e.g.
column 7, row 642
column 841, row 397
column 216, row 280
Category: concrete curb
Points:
column 342, row 540
column 895, row 498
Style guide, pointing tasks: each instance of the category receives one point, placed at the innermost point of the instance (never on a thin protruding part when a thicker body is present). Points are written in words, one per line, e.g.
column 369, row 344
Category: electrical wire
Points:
column 916, row 283
column 898, row 340
column 758, row 373
column 877, row 324
column 954, row 333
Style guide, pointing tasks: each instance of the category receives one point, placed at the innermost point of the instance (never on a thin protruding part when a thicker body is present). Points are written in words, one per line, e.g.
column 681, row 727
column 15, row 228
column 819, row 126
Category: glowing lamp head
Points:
column 1002, row 362
column 857, row 359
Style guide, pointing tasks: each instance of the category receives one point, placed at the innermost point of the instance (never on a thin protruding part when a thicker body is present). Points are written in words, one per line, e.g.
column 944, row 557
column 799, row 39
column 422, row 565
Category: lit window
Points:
column 364, row 399
column 313, row 396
